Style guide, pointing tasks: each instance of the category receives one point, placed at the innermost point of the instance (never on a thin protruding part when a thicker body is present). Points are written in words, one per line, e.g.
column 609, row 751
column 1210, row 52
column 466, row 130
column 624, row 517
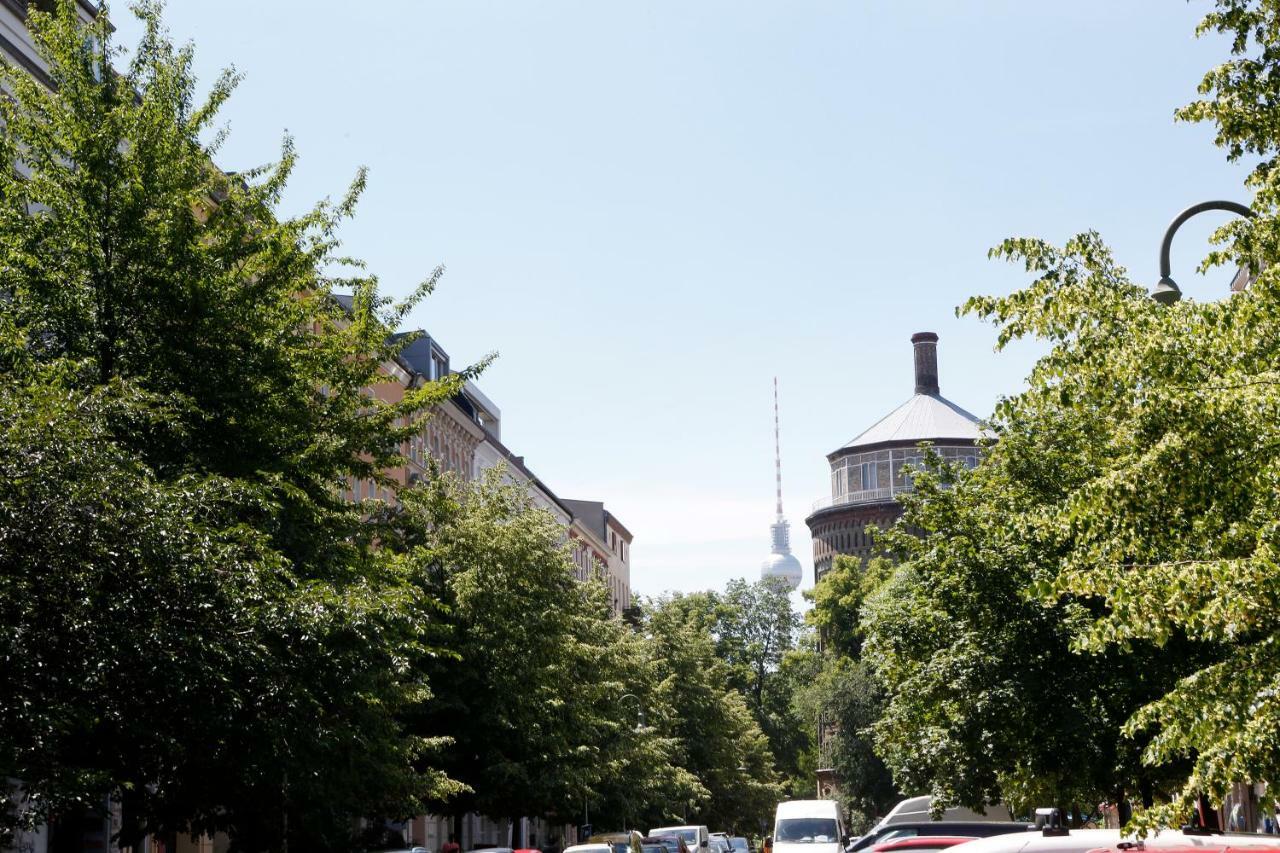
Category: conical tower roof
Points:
column 927, row 415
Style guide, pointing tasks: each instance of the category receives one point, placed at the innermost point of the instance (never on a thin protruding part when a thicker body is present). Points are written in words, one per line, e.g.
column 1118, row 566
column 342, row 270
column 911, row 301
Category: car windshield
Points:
column 898, row 833
column 806, row 830
column 620, row 847
column 739, row 843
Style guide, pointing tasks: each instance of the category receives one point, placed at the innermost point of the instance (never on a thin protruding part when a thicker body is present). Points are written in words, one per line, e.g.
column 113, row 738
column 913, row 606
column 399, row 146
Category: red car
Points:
column 922, row 843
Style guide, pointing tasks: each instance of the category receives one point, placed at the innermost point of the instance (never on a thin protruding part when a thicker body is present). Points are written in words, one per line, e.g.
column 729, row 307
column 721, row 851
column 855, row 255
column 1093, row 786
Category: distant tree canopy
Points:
column 718, row 739
column 755, row 628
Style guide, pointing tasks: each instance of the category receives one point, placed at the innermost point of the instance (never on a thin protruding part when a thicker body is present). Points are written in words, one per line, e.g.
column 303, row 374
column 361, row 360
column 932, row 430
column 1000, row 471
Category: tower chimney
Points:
column 926, row 344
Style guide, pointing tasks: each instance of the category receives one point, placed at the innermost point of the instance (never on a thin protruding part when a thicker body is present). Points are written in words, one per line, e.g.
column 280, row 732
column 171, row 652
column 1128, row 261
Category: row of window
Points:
column 880, row 474
column 618, row 544
column 361, row 489
column 449, row 454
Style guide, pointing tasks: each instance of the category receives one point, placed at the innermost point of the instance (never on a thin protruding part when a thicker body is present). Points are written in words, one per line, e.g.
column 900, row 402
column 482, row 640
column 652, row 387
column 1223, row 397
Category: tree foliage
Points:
column 717, row 738
column 842, row 692
column 196, row 622
column 1126, row 519
column 754, row 627
column 531, row 693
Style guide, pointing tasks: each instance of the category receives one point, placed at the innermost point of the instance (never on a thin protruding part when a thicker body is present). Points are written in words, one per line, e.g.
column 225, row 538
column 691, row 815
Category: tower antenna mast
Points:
column 777, row 446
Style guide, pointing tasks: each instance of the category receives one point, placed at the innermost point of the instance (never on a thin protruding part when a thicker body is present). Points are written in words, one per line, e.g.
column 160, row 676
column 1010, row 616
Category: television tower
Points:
column 781, row 562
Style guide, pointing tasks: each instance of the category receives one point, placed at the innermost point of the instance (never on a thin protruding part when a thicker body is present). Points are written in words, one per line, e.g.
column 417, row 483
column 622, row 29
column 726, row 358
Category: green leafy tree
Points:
column 843, row 692
column 838, row 599
column 718, row 740
column 754, row 627
column 531, row 694
column 800, row 670
column 1155, row 549
column 214, row 639
column 986, row 699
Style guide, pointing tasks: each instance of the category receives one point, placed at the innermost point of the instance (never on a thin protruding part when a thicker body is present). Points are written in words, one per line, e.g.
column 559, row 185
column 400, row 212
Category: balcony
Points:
column 863, row 496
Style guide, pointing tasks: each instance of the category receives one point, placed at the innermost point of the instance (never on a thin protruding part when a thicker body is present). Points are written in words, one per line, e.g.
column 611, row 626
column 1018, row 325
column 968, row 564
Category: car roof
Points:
column 1177, row 842
column 1086, row 840
column 807, row 808
column 1011, row 825
column 588, row 848
column 917, row 841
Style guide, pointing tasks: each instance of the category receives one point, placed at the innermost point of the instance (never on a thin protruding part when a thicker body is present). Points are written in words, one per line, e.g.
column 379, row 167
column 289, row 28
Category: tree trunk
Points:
column 1124, row 810
column 1146, row 790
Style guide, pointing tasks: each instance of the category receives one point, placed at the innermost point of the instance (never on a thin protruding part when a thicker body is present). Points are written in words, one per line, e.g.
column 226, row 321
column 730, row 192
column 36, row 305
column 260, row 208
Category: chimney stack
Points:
column 926, row 344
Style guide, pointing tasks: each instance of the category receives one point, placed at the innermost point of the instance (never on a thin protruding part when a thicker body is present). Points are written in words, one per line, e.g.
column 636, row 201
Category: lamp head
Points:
column 1166, row 291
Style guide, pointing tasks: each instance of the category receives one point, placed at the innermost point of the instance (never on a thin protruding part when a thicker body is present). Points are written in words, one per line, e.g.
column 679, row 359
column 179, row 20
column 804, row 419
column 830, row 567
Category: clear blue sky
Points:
column 649, row 209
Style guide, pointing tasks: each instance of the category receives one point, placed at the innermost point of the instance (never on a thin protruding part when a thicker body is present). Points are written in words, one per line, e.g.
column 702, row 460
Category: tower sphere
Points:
column 784, row 566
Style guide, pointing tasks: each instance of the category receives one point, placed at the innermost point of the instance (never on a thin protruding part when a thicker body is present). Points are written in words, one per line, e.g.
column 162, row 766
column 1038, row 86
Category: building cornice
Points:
column 828, row 513
column 588, row 535
column 463, row 420
column 610, row 518
column 519, row 465
column 903, row 444
column 16, row 52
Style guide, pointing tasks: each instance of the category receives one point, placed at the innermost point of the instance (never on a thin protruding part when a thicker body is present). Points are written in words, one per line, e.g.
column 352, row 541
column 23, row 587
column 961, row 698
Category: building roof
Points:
column 925, row 417
column 590, row 513
column 517, row 462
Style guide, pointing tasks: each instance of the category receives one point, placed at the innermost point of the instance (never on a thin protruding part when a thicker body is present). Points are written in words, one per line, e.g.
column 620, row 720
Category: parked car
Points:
column 720, row 842
column 740, row 844
column 978, row 829
column 672, row 843
column 917, row 809
column 696, row 836
column 619, row 842
column 588, row 848
column 920, row 843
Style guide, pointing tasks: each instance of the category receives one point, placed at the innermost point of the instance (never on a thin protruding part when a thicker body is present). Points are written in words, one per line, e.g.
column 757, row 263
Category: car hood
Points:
column 807, row 847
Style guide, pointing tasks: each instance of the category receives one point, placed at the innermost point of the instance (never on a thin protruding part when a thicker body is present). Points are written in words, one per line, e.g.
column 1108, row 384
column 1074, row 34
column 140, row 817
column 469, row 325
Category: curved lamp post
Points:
column 1166, row 291
column 639, row 711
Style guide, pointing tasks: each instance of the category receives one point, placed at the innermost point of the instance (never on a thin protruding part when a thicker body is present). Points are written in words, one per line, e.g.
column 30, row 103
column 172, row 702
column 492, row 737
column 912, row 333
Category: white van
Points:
column 808, row 826
column 694, row 836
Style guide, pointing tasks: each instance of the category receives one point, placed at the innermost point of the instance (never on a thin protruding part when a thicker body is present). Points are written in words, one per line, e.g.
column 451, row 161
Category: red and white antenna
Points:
column 777, row 446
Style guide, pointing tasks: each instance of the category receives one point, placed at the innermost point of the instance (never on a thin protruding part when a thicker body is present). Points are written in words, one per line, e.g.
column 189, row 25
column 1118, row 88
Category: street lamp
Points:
column 1166, row 291
column 639, row 729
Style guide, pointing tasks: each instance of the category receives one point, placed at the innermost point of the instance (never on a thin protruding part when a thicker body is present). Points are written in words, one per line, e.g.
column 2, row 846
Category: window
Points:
column 869, row 475
column 809, row 830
